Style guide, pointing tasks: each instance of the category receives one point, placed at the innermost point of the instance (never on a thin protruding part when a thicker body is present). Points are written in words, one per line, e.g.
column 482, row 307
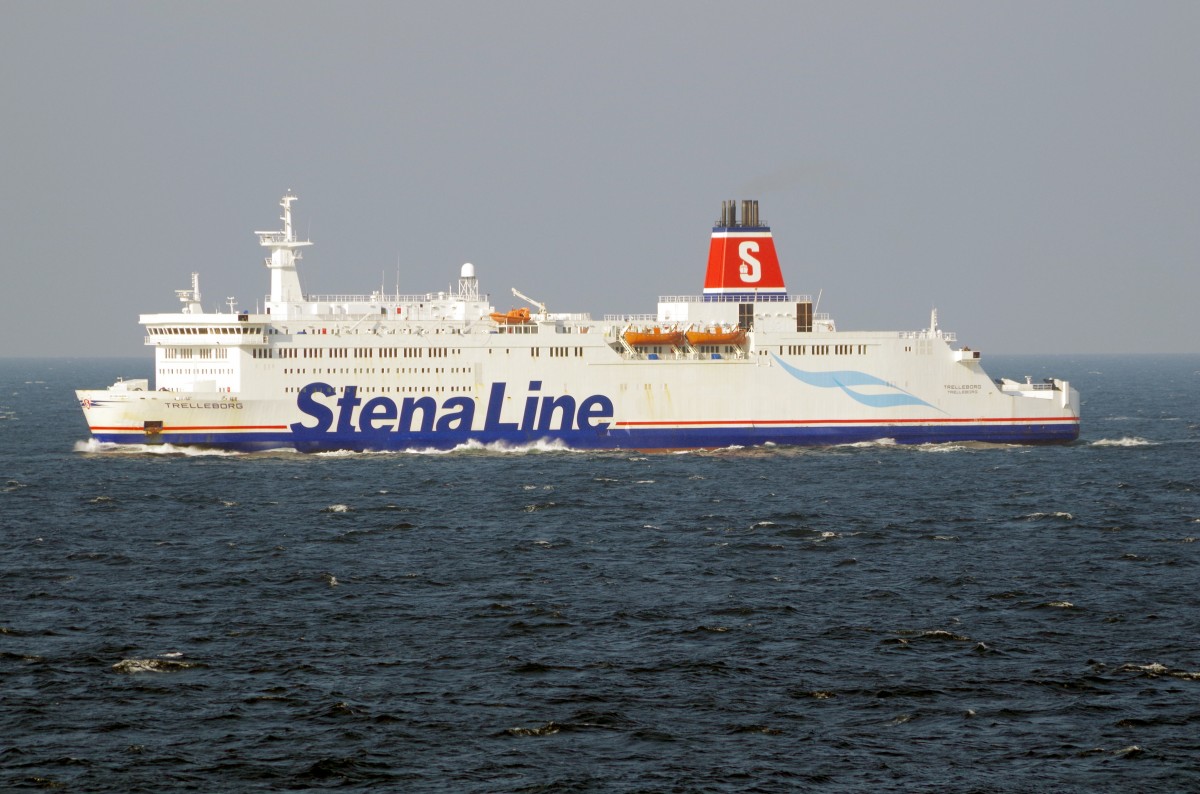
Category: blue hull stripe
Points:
column 617, row 438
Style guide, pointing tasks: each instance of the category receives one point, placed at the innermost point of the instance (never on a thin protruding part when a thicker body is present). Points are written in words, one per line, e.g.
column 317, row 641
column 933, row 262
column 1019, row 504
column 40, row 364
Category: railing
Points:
column 742, row 297
column 630, row 318
column 949, row 336
column 377, row 298
column 1014, row 385
column 231, row 340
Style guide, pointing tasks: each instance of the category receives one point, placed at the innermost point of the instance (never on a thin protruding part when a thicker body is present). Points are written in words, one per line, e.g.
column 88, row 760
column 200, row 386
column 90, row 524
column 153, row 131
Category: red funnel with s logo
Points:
column 741, row 255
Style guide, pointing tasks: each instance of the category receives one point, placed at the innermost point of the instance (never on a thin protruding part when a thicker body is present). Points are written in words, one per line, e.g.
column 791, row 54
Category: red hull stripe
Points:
column 181, row 429
column 881, row 422
column 695, row 423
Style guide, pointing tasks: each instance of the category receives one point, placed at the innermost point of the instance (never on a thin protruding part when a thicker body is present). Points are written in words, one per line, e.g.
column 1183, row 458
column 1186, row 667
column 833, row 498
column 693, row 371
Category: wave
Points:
column 932, row 446
column 1124, row 441
column 1157, row 669
column 92, row 446
column 350, row 453
column 549, row 729
column 947, row 447
column 499, row 447
column 153, row 665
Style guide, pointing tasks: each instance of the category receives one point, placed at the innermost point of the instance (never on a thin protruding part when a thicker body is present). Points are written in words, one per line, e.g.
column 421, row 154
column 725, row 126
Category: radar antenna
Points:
column 190, row 298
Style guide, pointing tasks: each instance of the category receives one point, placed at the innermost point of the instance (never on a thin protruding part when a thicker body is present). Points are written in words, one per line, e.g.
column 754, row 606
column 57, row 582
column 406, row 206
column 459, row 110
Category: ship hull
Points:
column 324, row 419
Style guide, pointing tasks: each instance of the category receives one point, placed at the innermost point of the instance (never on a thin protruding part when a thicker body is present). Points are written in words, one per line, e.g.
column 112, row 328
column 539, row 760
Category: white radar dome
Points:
column 468, row 270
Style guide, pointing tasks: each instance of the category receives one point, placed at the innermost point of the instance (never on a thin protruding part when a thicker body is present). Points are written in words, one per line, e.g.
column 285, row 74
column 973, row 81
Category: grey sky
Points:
column 1030, row 168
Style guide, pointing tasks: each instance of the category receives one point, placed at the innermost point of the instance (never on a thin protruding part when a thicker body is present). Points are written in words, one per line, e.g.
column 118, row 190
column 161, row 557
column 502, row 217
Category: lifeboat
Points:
column 513, row 317
column 717, row 336
column 649, row 337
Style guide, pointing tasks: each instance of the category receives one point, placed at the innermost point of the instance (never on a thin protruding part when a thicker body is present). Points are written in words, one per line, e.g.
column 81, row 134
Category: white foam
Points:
column 1125, row 441
column 340, row 453
column 108, row 448
column 501, row 447
column 1057, row 514
column 945, row 447
column 1154, row 668
column 150, row 665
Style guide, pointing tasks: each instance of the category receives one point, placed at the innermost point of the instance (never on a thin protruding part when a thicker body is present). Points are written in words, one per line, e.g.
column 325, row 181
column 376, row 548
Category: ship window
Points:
column 746, row 316
column 804, row 317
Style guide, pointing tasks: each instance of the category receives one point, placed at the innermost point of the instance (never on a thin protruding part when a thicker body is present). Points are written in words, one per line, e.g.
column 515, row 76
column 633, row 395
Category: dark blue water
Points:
column 956, row 617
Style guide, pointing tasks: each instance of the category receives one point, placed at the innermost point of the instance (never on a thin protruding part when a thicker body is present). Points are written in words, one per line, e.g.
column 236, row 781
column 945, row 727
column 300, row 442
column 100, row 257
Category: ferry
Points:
column 744, row 363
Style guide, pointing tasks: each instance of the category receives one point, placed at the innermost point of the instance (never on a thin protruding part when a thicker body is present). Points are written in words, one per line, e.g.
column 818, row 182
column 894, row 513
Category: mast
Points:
column 285, row 281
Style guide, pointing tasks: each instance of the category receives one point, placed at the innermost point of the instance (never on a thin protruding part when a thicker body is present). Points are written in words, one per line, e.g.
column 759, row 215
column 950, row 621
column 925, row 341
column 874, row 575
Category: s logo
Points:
column 750, row 270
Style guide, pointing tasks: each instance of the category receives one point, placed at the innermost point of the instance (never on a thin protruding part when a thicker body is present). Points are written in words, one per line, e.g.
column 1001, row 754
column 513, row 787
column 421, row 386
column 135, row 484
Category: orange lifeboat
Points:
column 650, row 337
column 513, row 317
column 717, row 336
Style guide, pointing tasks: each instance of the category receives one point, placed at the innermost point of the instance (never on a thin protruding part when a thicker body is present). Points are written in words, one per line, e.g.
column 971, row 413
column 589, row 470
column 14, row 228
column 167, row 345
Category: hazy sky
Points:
column 1032, row 169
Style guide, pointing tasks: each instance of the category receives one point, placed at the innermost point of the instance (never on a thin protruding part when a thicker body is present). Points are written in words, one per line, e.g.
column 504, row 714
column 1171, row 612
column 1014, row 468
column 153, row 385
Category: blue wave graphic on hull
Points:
column 844, row 379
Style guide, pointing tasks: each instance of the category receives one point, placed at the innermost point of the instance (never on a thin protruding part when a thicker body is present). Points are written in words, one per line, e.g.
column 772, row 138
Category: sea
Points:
column 872, row 617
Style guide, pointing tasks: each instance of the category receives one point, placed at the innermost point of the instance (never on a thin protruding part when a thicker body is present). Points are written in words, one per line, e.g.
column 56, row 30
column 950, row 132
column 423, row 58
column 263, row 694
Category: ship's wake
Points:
column 92, row 446
column 499, row 447
column 1125, row 441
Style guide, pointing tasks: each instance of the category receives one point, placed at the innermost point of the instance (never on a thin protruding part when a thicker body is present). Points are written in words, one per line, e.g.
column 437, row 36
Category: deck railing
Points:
column 744, row 297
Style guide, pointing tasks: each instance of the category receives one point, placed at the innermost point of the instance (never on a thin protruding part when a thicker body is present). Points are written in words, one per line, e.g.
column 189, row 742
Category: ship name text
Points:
column 351, row 413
